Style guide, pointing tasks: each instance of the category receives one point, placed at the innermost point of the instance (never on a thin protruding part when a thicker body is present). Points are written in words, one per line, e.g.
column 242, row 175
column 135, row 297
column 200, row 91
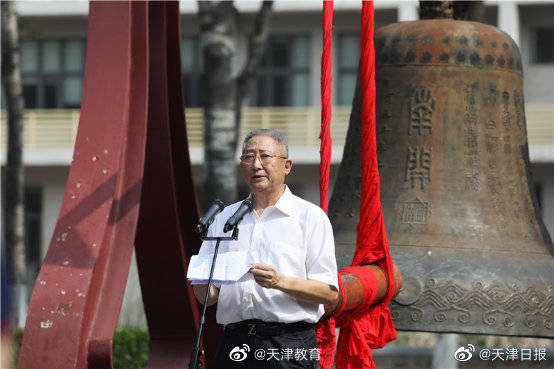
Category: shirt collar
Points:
column 285, row 203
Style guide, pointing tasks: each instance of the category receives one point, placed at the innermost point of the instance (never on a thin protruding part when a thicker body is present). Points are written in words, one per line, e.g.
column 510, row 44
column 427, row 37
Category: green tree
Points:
column 14, row 224
column 225, row 89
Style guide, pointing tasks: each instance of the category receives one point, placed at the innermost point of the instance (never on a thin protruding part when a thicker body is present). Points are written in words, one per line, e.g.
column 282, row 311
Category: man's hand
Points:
column 266, row 275
column 303, row 289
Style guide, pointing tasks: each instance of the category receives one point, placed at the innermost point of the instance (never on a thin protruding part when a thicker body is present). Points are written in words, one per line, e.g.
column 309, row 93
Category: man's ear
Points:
column 288, row 165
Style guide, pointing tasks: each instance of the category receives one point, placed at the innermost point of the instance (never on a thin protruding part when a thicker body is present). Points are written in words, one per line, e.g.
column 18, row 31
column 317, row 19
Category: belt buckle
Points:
column 252, row 329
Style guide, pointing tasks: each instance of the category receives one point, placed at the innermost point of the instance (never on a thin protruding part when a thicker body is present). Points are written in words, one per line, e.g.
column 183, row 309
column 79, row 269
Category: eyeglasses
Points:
column 264, row 158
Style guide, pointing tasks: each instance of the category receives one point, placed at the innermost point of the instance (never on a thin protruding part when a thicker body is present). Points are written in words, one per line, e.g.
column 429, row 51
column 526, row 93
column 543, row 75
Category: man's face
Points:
column 269, row 174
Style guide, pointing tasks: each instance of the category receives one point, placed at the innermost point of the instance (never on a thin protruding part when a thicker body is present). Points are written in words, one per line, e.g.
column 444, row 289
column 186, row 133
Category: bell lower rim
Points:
column 471, row 294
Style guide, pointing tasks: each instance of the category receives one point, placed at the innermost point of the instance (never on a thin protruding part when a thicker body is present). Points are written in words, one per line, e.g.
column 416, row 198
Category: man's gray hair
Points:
column 276, row 135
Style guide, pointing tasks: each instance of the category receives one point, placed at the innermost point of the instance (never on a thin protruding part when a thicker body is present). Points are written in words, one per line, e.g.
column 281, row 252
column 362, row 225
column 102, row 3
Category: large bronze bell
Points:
column 456, row 187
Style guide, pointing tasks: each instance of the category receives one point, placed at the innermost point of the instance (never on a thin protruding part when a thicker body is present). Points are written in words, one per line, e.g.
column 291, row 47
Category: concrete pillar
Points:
column 132, row 309
column 407, row 11
column 508, row 19
column 53, row 190
column 548, row 204
column 20, row 292
column 446, row 345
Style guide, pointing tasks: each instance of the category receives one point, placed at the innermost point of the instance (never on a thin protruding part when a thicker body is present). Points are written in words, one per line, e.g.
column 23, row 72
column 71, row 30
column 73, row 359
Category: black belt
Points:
column 260, row 328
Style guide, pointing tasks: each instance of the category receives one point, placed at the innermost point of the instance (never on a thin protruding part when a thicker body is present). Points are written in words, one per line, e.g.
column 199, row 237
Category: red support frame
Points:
column 130, row 184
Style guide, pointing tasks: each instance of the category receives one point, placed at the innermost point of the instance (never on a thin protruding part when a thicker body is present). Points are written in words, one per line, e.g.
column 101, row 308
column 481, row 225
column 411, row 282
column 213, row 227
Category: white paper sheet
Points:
column 229, row 267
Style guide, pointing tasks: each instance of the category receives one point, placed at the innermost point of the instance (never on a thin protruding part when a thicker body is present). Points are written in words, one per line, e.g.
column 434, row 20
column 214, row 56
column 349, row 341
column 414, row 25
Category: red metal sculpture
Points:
column 129, row 184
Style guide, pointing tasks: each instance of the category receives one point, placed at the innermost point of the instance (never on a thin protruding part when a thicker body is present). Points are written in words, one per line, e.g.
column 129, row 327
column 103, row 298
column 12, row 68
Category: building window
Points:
column 191, row 68
column 33, row 210
column 348, row 59
column 3, row 98
column 544, row 45
column 52, row 73
column 32, row 203
column 539, row 193
column 284, row 75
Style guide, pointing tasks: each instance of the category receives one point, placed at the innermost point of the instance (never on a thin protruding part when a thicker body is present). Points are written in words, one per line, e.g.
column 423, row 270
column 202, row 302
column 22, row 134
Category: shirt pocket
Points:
column 287, row 259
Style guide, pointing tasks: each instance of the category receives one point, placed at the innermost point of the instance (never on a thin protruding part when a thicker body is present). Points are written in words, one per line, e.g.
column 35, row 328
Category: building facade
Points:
column 286, row 96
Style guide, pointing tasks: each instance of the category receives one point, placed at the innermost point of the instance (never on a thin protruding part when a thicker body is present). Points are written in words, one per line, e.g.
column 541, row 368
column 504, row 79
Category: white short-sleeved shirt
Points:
column 295, row 237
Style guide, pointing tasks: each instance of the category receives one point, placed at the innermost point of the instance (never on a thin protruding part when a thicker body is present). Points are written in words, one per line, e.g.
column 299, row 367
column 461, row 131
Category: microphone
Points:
column 246, row 207
column 205, row 222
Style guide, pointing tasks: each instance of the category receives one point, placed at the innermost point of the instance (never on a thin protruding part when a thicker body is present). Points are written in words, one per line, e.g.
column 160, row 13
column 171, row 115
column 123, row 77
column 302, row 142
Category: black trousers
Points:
column 253, row 344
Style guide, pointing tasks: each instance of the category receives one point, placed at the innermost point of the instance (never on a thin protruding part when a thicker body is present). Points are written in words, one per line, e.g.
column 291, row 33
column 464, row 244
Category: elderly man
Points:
column 273, row 308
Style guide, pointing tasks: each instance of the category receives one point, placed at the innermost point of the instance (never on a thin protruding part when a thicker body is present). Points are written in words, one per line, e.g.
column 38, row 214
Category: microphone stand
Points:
column 196, row 352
